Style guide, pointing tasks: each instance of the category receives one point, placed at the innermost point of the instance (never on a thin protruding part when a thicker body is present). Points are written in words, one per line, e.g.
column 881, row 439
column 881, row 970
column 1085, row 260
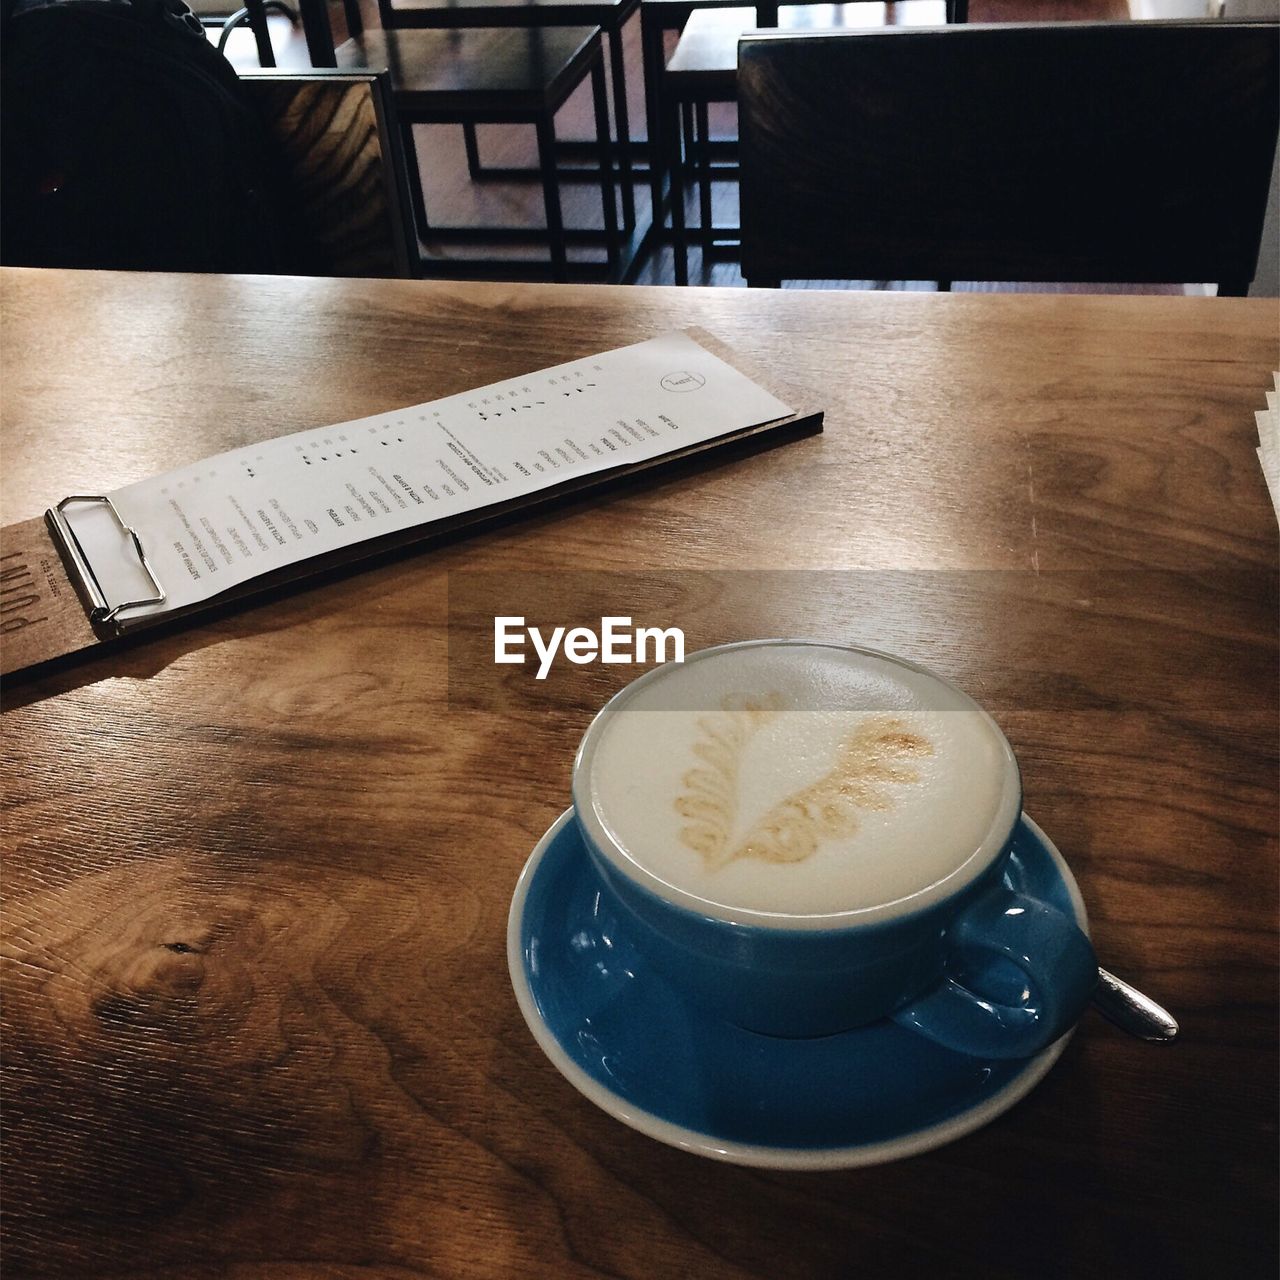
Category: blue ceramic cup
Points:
column 962, row 960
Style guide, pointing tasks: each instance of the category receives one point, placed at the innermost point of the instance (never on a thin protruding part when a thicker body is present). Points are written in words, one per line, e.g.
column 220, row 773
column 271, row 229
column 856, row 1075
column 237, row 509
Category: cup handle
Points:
column 1057, row 963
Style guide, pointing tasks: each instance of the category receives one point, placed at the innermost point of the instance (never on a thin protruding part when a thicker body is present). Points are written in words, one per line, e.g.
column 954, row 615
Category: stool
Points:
column 704, row 69
column 495, row 76
column 609, row 15
column 657, row 17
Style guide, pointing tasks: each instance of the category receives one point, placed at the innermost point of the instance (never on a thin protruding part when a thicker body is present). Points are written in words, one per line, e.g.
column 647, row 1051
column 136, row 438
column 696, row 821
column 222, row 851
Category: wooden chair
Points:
column 339, row 152
column 1118, row 152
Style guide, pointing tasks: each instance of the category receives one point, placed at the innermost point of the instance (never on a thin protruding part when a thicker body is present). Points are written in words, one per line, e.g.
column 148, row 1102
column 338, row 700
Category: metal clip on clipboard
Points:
column 101, row 611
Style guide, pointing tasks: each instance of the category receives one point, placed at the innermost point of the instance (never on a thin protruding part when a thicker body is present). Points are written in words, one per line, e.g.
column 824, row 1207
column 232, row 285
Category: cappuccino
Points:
column 800, row 780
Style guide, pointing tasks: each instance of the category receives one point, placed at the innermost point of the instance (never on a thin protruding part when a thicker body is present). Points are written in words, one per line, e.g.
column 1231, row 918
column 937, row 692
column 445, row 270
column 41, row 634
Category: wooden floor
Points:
column 453, row 198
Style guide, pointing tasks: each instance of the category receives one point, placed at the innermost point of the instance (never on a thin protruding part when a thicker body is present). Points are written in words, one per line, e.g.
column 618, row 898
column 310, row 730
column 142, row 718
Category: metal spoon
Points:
column 1131, row 1011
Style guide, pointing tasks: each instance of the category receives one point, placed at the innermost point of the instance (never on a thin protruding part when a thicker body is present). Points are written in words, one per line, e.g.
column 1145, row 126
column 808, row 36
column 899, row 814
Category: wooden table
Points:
column 257, row 1018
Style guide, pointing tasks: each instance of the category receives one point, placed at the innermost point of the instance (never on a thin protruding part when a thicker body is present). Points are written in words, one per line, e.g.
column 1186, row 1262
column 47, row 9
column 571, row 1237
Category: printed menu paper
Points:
column 221, row 522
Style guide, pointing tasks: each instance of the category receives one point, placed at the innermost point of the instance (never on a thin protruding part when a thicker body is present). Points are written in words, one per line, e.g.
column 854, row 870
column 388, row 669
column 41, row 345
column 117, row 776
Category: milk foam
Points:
column 800, row 779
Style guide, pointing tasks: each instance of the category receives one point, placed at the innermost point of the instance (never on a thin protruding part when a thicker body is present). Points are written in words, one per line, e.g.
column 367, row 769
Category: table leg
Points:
column 551, row 196
column 607, row 194
column 653, row 62
column 675, row 163
column 622, row 126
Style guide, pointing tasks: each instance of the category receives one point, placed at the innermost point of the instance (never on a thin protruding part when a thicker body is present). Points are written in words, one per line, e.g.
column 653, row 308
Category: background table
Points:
column 257, row 1019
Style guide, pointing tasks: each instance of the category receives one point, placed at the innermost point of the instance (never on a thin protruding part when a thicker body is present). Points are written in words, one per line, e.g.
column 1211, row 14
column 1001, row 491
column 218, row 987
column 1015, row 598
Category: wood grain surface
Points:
column 256, row 1014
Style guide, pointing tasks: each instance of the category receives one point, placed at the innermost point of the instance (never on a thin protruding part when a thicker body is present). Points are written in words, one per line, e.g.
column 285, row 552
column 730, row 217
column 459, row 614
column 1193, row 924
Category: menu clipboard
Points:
column 101, row 568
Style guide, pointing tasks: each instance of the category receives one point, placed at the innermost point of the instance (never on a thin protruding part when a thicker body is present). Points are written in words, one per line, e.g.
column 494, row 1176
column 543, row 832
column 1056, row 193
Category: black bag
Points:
column 128, row 143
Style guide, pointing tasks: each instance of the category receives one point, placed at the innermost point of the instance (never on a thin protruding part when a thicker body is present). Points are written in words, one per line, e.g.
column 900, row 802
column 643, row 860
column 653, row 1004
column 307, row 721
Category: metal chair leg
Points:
column 702, row 130
column 653, row 61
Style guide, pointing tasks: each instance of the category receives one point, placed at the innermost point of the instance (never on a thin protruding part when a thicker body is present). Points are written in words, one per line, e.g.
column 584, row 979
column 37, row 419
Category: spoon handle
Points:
column 1131, row 1011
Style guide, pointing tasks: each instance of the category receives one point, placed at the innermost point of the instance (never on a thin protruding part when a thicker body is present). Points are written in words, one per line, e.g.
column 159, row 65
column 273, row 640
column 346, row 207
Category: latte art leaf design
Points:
column 868, row 759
